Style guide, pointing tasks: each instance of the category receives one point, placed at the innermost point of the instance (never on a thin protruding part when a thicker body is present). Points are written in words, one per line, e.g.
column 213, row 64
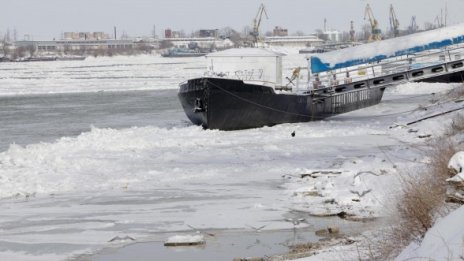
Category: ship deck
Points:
column 440, row 66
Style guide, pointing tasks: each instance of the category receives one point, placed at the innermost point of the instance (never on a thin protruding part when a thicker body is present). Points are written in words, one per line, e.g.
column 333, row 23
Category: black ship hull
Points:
column 447, row 78
column 227, row 104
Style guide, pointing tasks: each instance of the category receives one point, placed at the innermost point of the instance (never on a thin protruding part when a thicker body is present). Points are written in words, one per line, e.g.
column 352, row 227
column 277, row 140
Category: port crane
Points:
column 437, row 22
column 257, row 22
column 352, row 32
column 394, row 23
column 413, row 27
column 376, row 33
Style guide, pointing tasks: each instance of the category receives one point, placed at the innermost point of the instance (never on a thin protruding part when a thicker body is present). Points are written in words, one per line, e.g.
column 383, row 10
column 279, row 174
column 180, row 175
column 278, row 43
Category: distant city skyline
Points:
column 48, row 19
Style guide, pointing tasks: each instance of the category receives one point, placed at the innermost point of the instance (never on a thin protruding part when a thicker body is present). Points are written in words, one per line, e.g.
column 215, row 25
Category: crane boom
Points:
column 437, row 21
column 257, row 23
column 413, row 27
column 376, row 32
column 394, row 23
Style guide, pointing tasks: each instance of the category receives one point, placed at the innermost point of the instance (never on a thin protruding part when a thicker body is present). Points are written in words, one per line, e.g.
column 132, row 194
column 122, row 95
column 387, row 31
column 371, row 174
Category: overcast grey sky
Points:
column 46, row 19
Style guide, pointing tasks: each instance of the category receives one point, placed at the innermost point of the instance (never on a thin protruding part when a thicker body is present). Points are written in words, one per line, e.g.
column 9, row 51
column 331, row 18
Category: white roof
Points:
column 246, row 52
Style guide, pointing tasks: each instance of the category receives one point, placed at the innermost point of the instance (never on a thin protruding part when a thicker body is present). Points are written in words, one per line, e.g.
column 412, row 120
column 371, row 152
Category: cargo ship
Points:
column 182, row 52
column 245, row 88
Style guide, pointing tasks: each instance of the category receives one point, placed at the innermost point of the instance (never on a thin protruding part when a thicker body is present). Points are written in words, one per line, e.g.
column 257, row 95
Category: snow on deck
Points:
column 377, row 51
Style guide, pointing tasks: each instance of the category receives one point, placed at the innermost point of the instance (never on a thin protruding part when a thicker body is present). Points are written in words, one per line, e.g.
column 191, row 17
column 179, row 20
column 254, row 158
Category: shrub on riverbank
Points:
column 422, row 199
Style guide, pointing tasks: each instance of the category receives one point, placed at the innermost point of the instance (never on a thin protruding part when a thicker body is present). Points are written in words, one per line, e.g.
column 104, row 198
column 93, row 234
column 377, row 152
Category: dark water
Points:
column 229, row 244
column 45, row 118
column 221, row 247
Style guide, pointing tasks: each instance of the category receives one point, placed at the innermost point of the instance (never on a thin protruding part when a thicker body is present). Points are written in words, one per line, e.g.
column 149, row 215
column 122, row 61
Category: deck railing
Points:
column 400, row 64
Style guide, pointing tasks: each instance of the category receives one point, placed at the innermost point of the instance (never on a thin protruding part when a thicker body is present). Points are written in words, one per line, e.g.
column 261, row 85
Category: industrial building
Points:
column 201, row 42
column 73, row 45
column 168, row 33
column 208, row 33
column 293, row 41
column 332, row 36
column 85, row 36
column 279, row 31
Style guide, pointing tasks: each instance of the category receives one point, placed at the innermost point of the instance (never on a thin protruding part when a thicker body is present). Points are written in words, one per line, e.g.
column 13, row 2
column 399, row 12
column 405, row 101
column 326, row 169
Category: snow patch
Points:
column 444, row 241
column 185, row 239
column 415, row 88
column 457, row 163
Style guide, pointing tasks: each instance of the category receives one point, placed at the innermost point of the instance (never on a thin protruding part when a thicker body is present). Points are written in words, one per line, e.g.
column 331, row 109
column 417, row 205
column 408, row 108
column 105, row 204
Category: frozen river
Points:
column 58, row 223
column 29, row 119
column 96, row 149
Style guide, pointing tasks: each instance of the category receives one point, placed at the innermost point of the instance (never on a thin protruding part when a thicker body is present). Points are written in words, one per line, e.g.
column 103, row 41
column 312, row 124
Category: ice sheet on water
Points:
column 145, row 72
column 185, row 239
column 142, row 158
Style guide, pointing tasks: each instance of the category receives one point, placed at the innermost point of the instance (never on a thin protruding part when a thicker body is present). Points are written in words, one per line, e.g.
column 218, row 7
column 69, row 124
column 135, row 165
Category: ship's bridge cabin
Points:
column 252, row 65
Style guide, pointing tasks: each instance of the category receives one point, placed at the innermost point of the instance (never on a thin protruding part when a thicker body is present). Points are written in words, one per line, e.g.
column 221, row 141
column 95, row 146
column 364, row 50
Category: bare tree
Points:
column 166, row 44
column 5, row 47
column 195, row 33
column 143, row 47
column 124, row 36
column 321, row 35
column 234, row 36
column 429, row 26
column 212, row 47
column 367, row 31
column 154, row 32
column 82, row 50
column 246, row 31
column 345, row 37
column 67, row 49
column 99, row 52
column 19, row 52
column 31, row 49
column 7, row 36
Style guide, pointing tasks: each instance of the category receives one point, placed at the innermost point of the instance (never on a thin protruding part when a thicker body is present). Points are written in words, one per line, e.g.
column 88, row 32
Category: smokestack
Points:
column 115, row 35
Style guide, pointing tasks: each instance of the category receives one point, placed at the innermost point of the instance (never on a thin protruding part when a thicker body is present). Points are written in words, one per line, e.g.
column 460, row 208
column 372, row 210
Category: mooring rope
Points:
column 317, row 117
column 257, row 104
